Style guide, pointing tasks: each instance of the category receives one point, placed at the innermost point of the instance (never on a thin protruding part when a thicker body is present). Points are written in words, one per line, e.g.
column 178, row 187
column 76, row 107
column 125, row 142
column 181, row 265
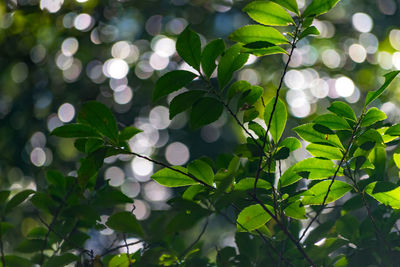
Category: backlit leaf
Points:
column 342, row 110
column 18, row 199
column 230, row 62
column 171, row 82
column 296, row 211
column 319, row 7
column 371, row 96
column 172, row 178
column 372, row 116
column 309, row 134
column 290, row 5
column 333, row 122
column 316, row 194
column 393, row 130
column 278, row 120
column 312, row 30
column 268, row 13
column 202, row 171
column 253, row 217
column 255, row 33
column 291, row 143
column 385, row 192
column 324, row 151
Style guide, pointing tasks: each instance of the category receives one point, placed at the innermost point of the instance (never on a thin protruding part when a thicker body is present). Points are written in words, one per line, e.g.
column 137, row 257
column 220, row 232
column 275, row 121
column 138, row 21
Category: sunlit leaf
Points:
column 188, row 47
column 296, row 211
column 248, row 183
column 290, row 5
column 202, row 171
column 319, row 7
column 385, row 192
column 183, row 102
column 253, row 217
column 333, row 122
column 124, row 222
column 268, row 13
column 324, row 151
column 372, row 116
column 309, row 134
column 291, row 143
column 172, row 178
column 278, row 120
column 230, row 62
column 205, row 111
column 393, row 130
column 371, row 96
column 316, row 194
column 312, row 30
column 264, row 51
column 255, row 33
column 171, row 82
column 342, row 110
column 210, row 53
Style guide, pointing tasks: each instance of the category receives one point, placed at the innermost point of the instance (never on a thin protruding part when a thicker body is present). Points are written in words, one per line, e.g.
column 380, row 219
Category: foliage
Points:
column 276, row 213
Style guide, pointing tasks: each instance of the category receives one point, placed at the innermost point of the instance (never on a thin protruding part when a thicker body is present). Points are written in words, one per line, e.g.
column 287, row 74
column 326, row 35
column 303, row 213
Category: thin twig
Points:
column 121, row 246
column 3, row 260
column 127, row 250
column 203, row 230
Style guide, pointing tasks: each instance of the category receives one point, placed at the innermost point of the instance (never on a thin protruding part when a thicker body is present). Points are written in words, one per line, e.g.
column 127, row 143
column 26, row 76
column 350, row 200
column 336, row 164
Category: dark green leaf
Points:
column 309, row 31
column 172, row 178
column 253, row 217
column 205, row 111
column 18, row 199
column 75, row 130
column 210, row 53
column 238, row 87
column 183, row 102
column 342, row 110
column 290, row 5
column 90, row 166
column 278, row 120
column 251, row 96
column 125, row 222
column 128, row 132
column 192, row 191
column 230, row 62
column 371, row 96
column 188, row 47
column 385, row 192
column 56, row 178
column 319, row 7
column 268, row 13
column 61, row 260
column 255, row 33
column 348, row 226
column 4, row 227
column 30, row 245
column 37, row 233
column 324, row 151
column 257, row 129
column 99, row 117
column 4, row 196
column 316, row 194
column 92, row 145
column 333, row 122
column 109, row 197
column 309, row 134
column 281, row 153
column 201, row 171
column 171, row 82
column 13, row 260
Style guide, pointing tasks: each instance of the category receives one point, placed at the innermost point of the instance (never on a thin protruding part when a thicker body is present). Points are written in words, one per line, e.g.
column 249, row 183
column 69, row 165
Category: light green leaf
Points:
column 309, row 134
column 128, row 132
column 183, row 102
column 319, row 7
column 61, row 260
column 125, row 222
column 278, row 121
column 371, row 96
column 18, row 199
column 258, row 49
column 385, row 192
column 202, row 171
column 248, row 184
column 255, row 33
column 268, row 13
column 386, row 138
column 371, row 135
column 205, row 111
column 333, row 122
column 121, row 260
column 324, row 151
column 342, row 110
column 172, row 178
column 99, row 117
column 75, row 130
column 210, row 53
column 372, row 116
column 290, row 5
column 188, row 46
column 312, row 30
column 311, row 168
column 393, row 130
column 396, row 158
column 253, row 217
column 171, row 82
column 296, row 211
column 291, row 143
column 230, row 62
column 316, row 194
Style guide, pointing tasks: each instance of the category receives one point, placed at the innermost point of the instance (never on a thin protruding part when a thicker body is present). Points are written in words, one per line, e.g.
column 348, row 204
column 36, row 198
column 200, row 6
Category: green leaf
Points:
column 384, row 192
column 296, row 211
column 4, row 227
column 205, row 111
column 13, row 260
column 210, row 53
column 125, row 222
column 172, row 178
column 278, row 121
column 183, row 102
column 268, row 13
column 201, row 171
column 30, row 245
column 333, row 122
column 290, row 5
column 171, row 82
column 324, row 151
column 396, row 158
column 372, row 116
column 230, row 62
column 238, row 87
column 263, row 51
column 18, row 199
column 109, row 197
column 291, row 143
column 316, row 194
column 56, row 178
column 253, row 217
column 342, row 110
column 121, row 260
column 248, row 183
column 311, row 168
column 319, row 7
column 188, row 46
column 255, row 33
column 393, row 130
column 98, row 116
column 371, row 96
column 4, row 196
column 90, row 166
column 371, row 135
column 348, row 226
column 251, row 96
column 128, row 132
column 75, row 130
column 309, row 31
column 309, row 134
column 192, row 191
column 61, row 260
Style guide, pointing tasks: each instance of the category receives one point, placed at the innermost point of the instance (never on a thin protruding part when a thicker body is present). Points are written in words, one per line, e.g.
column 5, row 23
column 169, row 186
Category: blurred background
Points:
column 57, row 54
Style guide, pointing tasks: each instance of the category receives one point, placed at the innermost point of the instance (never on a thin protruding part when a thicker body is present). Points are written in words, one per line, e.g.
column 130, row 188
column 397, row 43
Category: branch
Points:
column 203, row 230
column 3, row 260
column 121, row 246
